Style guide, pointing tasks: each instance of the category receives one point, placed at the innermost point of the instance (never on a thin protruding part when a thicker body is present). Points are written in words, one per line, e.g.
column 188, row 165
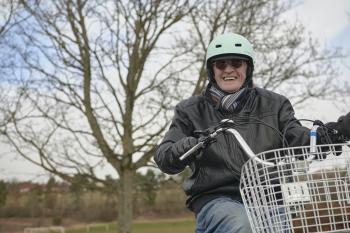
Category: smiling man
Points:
column 230, row 65
column 261, row 117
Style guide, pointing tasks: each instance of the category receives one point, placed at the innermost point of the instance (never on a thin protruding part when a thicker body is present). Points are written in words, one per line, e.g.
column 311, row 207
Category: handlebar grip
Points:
column 313, row 138
column 192, row 150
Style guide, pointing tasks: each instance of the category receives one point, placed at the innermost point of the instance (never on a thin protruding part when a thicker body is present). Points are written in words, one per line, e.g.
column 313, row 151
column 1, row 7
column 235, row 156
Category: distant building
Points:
column 26, row 187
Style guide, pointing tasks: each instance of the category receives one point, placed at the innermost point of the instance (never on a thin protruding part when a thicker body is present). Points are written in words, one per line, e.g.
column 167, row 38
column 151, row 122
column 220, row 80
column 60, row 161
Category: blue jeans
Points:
column 223, row 215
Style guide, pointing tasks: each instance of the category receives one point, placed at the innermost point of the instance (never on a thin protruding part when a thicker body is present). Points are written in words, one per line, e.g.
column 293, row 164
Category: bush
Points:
column 57, row 220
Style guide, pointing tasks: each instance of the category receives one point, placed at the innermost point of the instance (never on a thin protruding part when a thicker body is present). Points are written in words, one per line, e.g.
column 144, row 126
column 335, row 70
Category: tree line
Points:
column 59, row 201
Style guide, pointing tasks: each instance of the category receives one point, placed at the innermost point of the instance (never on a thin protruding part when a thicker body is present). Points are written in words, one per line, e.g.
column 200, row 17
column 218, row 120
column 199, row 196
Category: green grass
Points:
column 156, row 226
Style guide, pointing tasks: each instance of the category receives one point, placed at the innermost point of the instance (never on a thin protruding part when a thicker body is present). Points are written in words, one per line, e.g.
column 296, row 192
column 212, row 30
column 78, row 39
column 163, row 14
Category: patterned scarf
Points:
column 228, row 102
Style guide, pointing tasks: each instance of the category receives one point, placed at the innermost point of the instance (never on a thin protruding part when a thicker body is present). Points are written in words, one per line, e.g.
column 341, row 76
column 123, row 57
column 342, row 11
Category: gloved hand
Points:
column 326, row 135
column 335, row 132
column 341, row 128
column 183, row 145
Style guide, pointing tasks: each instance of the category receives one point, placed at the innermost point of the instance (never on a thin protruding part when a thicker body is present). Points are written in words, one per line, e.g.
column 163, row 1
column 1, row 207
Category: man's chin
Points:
column 230, row 89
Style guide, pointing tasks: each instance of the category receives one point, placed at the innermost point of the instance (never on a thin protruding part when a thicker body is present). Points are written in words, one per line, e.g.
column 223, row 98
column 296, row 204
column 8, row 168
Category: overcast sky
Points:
column 327, row 20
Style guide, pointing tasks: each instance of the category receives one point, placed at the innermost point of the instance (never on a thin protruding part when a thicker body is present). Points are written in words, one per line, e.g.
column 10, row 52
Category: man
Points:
column 260, row 116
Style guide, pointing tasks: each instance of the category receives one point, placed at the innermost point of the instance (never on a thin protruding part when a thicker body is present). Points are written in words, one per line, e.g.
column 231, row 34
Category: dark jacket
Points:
column 216, row 172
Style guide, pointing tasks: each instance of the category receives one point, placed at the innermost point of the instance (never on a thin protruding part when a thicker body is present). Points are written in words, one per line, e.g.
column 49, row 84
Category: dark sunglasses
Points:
column 234, row 62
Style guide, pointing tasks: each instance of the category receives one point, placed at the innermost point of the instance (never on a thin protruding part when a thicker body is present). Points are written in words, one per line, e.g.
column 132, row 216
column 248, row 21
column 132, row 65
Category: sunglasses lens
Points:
column 222, row 64
column 236, row 63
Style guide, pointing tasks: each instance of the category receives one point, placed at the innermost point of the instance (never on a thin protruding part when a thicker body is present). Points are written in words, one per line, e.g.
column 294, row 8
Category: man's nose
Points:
column 229, row 68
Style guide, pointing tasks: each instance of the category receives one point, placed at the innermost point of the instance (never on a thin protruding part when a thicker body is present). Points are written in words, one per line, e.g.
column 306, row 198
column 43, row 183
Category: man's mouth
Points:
column 227, row 78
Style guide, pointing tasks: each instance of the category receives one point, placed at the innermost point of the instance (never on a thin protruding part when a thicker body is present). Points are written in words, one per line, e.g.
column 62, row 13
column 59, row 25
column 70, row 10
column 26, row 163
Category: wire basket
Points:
column 302, row 192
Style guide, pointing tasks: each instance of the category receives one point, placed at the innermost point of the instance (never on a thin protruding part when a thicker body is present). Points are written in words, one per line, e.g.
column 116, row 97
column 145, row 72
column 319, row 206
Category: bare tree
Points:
column 288, row 59
column 8, row 20
column 7, row 12
column 94, row 86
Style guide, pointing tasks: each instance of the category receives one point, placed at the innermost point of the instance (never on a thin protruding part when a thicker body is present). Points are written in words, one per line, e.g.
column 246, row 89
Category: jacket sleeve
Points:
column 294, row 133
column 165, row 157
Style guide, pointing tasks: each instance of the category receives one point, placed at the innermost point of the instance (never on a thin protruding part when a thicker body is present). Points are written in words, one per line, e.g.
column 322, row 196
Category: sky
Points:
column 326, row 20
column 329, row 22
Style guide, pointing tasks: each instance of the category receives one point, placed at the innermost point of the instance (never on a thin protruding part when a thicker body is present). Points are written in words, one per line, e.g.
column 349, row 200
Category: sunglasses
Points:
column 234, row 62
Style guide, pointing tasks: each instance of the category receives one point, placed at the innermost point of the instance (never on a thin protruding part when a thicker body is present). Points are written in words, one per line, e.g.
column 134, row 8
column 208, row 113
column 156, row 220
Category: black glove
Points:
column 341, row 127
column 327, row 135
column 183, row 145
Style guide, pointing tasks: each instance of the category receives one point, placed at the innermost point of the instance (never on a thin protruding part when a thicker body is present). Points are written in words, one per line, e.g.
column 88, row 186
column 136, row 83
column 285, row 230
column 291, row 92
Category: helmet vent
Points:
column 238, row 45
column 218, row 46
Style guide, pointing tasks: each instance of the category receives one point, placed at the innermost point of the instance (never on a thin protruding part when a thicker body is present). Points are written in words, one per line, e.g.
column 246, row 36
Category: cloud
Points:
column 329, row 22
column 325, row 19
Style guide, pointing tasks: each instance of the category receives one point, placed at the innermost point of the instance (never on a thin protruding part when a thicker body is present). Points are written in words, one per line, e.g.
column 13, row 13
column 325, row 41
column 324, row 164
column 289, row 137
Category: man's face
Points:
column 230, row 74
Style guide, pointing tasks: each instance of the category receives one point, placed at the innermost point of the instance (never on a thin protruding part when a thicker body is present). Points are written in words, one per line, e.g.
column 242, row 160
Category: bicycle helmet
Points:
column 230, row 45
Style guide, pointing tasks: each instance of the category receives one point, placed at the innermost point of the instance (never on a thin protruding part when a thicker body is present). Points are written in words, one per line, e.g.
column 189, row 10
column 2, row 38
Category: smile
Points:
column 229, row 78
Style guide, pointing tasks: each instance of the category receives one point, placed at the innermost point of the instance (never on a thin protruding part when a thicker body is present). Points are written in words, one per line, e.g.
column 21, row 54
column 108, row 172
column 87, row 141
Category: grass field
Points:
column 156, row 226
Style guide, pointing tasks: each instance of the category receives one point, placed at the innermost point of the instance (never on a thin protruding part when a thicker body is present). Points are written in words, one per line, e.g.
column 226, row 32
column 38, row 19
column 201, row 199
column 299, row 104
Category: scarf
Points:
column 228, row 102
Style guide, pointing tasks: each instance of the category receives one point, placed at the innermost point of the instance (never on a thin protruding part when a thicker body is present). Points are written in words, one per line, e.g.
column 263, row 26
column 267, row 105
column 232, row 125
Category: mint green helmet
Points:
column 230, row 45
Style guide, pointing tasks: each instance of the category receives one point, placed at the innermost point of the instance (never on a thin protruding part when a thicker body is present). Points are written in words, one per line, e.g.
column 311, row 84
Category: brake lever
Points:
column 202, row 143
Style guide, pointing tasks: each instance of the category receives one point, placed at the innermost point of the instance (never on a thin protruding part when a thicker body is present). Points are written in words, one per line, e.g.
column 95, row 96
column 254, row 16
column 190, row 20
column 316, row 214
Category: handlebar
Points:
column 237, row 135
column 313, row 140
column 243, row 144
column 201, row 144
column 246, row 147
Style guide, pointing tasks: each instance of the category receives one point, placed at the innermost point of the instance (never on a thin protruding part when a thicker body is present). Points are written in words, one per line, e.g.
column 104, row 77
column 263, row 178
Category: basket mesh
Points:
column 298, row 194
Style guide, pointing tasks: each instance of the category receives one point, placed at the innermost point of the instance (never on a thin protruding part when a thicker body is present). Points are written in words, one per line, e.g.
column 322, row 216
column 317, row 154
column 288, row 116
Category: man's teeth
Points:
column 230, row 78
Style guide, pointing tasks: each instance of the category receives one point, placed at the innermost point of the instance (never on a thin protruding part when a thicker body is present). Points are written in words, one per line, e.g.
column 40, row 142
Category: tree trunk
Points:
column 125, row 197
